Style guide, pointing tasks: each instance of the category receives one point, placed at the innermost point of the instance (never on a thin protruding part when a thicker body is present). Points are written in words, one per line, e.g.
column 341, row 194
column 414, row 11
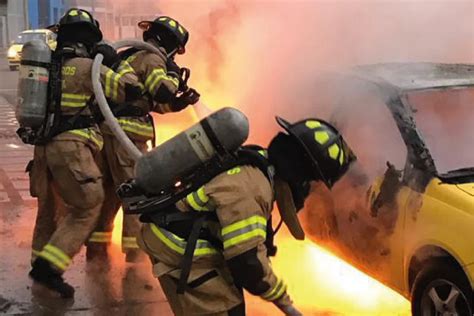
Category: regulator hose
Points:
column 110, row 119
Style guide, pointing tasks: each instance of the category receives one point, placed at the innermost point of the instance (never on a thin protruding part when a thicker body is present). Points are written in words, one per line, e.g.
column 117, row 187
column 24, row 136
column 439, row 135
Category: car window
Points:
column 369, row 128
column 26, row 37
column 445, row 119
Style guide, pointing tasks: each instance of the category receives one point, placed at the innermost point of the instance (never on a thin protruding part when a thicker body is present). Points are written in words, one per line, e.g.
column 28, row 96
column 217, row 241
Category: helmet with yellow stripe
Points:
column 324, row 155
column 78, row 25
column 169, row 33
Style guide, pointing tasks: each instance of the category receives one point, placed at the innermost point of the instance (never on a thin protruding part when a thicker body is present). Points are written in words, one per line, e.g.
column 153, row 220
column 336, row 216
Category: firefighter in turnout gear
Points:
column 164, row 90
column 232, row 214
column 64, row 172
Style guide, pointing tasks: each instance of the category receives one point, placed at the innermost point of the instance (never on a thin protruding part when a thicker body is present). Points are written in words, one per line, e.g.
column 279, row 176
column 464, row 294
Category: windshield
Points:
column 445, row 119
column 26, row 37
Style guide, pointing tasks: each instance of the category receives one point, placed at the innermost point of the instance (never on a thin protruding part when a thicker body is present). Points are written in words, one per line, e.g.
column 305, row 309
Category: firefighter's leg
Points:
column 78, row 177
column 122, row 169
column 101, row 237
column 41, row 187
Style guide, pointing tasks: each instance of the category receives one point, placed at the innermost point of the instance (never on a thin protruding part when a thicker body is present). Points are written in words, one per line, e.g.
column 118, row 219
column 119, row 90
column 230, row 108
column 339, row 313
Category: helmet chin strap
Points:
column 156, row 42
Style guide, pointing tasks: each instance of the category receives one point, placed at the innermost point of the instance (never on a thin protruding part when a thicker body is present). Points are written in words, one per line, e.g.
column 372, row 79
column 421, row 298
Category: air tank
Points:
column 166, row 164
column 33, row 84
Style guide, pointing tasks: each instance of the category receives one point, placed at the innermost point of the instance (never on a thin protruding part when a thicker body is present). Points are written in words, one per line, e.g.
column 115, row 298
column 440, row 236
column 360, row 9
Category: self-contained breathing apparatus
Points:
column 39, row 93
column 181, row 166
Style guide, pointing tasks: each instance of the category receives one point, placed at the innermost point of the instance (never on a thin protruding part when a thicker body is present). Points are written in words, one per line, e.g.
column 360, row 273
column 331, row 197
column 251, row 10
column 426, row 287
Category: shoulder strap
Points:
column 127, row 53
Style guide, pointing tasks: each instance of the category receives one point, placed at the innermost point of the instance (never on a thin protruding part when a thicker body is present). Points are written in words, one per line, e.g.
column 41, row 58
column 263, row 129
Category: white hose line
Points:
column 110, row 119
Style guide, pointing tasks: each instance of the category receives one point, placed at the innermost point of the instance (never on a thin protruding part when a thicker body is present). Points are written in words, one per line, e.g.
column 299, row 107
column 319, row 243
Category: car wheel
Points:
column 441, row 288
column 13, row 68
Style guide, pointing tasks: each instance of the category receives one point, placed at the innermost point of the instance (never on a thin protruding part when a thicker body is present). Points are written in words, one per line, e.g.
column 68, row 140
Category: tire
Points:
column 13, row 68
column 436, row 282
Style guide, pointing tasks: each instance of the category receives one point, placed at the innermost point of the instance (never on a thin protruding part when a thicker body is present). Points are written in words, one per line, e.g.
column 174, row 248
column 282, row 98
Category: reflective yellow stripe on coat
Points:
column 157, row 75
column 140, row 128
column 178, row 244
column 198, row 200
column 88, row 134
column 242, row 231
column 276, row 292
column 74, row 100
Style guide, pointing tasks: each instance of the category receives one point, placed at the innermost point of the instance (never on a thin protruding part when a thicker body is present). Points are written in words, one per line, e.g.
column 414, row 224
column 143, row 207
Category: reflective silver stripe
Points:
column 244, row 230
column 178, row 244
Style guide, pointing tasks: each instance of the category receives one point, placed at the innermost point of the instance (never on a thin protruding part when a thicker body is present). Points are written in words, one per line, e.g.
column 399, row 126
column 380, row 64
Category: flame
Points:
column 319, row 281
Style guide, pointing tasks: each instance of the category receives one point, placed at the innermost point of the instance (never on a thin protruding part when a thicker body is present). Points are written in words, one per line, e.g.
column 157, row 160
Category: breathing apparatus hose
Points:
column 110, row 119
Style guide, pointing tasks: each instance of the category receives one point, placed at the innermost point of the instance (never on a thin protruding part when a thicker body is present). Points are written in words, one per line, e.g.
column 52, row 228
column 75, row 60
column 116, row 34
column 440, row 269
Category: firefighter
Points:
column 164, row 91
column 233, row 241
column 65, row 173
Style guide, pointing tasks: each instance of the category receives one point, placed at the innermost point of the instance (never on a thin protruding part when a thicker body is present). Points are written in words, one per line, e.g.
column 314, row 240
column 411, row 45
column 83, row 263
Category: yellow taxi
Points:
column 404, row 213
column 14, row 52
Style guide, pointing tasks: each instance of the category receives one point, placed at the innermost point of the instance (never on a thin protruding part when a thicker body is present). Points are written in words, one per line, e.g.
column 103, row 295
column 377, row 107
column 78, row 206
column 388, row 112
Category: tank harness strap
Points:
column 221, row 151
column 35, row 64
column 187, row 260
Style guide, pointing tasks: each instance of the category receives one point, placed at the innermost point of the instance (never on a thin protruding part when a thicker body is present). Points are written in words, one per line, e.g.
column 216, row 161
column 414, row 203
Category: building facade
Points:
column 13, row 20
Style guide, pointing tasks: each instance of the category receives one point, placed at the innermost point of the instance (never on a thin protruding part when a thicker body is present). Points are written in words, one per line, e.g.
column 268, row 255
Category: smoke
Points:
column 271, row 58
column 265, row 56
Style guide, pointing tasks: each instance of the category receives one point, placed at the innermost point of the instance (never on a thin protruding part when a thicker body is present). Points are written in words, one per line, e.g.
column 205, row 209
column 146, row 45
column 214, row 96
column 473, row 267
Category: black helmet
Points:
column 169, row 32
column 326, row 155
column 74, row 21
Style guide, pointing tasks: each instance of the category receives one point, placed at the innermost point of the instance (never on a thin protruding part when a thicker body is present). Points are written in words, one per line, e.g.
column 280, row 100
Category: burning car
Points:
column 405, row 212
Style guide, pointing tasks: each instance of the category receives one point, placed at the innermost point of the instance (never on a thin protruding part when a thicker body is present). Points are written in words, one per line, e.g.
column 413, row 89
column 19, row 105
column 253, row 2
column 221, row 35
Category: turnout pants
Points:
column 64, row 177
column 117, row 167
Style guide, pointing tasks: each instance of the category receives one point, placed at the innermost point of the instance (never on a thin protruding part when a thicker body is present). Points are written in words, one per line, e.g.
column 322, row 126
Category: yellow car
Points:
column 404, row 213
column 14, row 52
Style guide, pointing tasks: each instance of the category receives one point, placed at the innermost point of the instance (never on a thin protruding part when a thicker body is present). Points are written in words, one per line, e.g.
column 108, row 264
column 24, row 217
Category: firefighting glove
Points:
column 111, row 58
column 189, row 97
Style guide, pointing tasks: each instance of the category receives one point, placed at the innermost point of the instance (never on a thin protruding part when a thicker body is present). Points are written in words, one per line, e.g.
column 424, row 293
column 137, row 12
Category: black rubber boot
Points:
column 45, row 275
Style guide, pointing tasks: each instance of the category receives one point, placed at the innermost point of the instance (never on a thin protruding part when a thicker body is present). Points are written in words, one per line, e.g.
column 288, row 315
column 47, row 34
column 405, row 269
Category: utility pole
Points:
column 26, row 14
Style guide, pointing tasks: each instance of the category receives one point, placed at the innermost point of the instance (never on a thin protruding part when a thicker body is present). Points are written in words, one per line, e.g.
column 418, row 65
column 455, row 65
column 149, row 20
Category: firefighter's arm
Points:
column 121, row 85
column 243, row 234
column 160, row 83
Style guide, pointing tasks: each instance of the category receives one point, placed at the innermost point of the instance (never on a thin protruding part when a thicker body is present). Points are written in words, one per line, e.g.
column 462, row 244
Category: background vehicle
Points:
column 14, row 52
column 405, row 212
